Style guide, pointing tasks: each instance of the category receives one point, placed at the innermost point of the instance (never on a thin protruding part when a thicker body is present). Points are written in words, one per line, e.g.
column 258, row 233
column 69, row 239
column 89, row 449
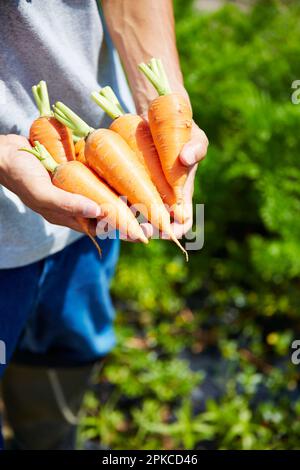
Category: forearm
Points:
column 141, row 30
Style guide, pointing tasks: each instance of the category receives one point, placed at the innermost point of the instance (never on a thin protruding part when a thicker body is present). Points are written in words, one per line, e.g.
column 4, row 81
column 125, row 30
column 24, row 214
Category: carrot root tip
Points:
column 95, row 243
column 180, row 247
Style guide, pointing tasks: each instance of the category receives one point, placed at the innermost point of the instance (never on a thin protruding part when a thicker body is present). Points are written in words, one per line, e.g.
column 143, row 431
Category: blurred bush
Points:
column 203, row 356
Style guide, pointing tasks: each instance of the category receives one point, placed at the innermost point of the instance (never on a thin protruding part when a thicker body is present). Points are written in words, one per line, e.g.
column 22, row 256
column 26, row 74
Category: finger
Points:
column 102, row 228
column 195, row 150
column 147, row 229
column 73, row 223
column 189, row 186
column 181, row 229
column 69, row 204
column 184, row 212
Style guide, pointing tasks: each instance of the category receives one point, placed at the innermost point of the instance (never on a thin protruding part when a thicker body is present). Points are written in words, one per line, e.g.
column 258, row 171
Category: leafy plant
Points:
column 203, row 355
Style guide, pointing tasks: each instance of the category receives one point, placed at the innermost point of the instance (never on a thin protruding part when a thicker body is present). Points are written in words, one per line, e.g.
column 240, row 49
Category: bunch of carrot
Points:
column 133, row 158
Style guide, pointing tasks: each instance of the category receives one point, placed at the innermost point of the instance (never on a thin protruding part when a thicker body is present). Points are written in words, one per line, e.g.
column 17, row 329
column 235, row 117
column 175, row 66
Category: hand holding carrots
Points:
column 112, row 159
column 149, row 162
column 191, row 155
column 23, row 174
column 180, row 143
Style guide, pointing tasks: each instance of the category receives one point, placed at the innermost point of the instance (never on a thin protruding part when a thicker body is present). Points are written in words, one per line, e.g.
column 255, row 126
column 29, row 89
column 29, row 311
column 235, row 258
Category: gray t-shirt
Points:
column 63, row 42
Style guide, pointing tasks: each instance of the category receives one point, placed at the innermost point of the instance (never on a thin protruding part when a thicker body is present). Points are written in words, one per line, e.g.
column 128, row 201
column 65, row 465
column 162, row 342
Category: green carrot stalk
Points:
column 41, row 97
column 108, row 101
column 66, row 116
column 156, row 74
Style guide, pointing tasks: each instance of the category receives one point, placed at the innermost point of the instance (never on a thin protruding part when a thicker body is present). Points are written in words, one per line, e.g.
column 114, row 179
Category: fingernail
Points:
column 188, row 156
column 91, row 211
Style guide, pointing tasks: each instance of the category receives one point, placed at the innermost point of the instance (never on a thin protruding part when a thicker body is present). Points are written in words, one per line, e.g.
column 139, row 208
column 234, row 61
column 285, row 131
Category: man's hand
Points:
column 141, row 30
column 192, row 153
column 24, row 175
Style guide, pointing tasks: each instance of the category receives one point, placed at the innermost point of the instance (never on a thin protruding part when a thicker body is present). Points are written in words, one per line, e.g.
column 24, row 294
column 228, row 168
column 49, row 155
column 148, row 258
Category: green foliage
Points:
column 241, row 96
column 238, row 299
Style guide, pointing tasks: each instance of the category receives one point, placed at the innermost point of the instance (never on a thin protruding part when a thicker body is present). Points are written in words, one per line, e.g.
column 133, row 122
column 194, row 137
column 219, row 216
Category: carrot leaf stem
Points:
column 40, row 152
column 76, row 138
column 154, row 66
column 108, row 107
column 66, row 116
column 108, row 101
column 156, row 75
column 108, row 93
column 41, row 97
column 163, row 75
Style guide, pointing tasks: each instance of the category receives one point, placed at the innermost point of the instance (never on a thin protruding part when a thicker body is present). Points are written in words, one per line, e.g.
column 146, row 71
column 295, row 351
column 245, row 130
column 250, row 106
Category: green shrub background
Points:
column 237, row 301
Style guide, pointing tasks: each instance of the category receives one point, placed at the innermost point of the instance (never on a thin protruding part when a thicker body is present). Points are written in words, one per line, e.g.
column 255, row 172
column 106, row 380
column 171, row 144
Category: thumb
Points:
column 188, row 154
column 195, row 150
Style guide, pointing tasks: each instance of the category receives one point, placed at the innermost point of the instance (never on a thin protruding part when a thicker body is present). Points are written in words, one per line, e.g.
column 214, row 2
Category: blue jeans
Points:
column 58, row 311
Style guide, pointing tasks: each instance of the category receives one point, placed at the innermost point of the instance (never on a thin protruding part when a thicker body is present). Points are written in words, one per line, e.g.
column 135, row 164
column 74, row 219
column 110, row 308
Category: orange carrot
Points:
column 111, row 157
column 79, row 150
column 170, row 120
column 56, row 137
column 136, row 132
column 77, row 178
